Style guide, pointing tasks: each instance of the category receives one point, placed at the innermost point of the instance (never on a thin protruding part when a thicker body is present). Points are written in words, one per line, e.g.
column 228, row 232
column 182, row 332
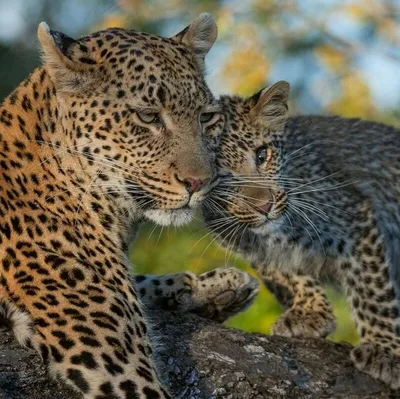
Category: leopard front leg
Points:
column 91, row 333
column 375, row 309
column 217, row 294
column 308, row 312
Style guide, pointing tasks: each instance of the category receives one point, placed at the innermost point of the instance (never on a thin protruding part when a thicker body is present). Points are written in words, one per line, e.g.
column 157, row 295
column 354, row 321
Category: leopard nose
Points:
column 265, row 208
column 194, row 185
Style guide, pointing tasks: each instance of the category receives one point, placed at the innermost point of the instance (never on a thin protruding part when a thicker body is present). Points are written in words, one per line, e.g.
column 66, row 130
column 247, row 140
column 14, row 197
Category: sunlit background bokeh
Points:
column 340, row 57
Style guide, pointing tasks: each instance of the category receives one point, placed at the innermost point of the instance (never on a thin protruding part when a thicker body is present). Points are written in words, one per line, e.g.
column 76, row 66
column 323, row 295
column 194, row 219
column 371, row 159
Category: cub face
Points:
column 249, row 192
column 137, row 108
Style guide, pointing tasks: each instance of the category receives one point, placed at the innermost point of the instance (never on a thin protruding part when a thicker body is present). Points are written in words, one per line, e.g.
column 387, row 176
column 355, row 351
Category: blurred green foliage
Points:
column 172, row 250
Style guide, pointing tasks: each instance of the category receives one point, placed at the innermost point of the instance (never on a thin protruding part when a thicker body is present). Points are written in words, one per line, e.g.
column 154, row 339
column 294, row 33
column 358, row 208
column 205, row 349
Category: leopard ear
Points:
column 66, row 59
column 199, row 36
column 270, row 105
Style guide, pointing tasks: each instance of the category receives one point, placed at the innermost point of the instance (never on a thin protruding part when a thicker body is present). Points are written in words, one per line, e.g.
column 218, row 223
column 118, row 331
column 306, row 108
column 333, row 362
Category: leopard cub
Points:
column 313, row 198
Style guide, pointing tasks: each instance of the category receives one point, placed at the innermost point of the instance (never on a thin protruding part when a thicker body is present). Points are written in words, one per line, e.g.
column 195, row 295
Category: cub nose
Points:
column 193, row 185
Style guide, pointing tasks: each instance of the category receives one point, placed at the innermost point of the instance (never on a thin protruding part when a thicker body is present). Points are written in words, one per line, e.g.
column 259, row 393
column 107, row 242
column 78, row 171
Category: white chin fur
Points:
column 174, row 217
column 268, row 227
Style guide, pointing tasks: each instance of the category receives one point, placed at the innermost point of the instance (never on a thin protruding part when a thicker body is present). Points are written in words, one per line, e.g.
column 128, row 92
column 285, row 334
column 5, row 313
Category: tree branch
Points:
column 209, row 361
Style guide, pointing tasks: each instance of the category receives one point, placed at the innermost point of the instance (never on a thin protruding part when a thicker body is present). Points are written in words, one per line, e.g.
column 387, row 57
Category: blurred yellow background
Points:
column 340, row 56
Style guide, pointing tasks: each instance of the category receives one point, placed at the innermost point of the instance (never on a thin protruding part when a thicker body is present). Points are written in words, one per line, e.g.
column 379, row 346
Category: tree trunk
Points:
column 206, row 360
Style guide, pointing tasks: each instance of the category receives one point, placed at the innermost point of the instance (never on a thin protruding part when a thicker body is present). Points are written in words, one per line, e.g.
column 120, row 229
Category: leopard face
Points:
column 249, row 160
column 138, row 115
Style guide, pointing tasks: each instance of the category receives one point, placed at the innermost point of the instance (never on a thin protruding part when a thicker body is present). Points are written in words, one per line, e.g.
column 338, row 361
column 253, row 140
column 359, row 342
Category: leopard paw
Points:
column 220, row 293
column 379, row 362
column 217, row 295
column 299, row 322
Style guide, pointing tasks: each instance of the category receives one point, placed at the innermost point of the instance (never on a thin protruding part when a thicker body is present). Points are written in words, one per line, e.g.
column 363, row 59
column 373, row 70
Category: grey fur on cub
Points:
column 308, row 199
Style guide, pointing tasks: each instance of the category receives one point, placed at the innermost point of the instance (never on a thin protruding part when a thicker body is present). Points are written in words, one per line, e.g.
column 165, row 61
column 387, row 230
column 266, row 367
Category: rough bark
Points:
column 206, row 360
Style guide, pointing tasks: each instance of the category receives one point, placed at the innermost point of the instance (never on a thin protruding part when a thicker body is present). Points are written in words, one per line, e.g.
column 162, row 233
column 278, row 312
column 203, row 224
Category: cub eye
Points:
column 148, row 117
column 263, row 155
column 206, row 117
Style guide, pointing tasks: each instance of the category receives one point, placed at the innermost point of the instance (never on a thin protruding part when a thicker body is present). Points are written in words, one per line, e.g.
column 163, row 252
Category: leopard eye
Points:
column 206, row 117
column 148, row 117
column 263, row 155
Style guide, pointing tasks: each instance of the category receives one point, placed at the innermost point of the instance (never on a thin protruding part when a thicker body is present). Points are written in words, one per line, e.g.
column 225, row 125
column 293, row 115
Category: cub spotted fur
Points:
column 115, row 127
column 308, row 199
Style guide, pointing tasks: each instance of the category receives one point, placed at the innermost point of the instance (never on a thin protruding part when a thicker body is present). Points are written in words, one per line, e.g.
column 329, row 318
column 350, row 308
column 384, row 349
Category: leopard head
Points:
column 136, row 110
column 250, row 192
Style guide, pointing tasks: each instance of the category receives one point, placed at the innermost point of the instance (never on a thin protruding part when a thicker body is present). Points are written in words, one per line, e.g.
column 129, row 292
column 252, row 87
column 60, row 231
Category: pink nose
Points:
column 193, row 185
column 266, row 208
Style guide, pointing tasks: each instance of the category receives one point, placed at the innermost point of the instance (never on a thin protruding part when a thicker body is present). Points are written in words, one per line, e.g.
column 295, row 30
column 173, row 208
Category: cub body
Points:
column 308, row 199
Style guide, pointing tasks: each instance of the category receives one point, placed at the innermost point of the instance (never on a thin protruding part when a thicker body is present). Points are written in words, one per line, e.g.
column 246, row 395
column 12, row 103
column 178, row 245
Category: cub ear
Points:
column 271, row 104
column 66, row 59
column 199, row 36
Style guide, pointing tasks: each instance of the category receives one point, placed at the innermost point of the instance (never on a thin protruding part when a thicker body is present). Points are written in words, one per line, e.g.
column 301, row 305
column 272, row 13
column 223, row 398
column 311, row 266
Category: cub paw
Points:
column 380, row 363
column 221, row 293
column 298, row 322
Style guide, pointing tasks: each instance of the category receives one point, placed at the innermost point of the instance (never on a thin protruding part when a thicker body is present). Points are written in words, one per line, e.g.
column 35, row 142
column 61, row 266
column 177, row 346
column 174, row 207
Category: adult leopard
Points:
column 113, row 128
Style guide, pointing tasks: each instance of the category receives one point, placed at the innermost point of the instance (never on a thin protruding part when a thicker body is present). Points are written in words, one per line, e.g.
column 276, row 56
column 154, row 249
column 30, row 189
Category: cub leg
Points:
column 308, row 312
column 375, row 309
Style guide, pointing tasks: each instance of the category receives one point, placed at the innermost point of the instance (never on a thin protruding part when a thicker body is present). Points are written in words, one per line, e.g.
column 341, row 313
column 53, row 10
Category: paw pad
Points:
column 224, row 298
